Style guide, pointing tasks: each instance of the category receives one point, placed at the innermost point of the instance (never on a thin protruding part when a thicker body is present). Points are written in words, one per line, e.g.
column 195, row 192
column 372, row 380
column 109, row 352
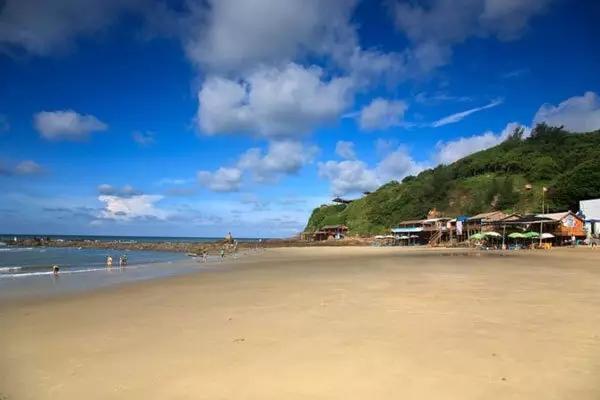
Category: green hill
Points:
column 494, row 179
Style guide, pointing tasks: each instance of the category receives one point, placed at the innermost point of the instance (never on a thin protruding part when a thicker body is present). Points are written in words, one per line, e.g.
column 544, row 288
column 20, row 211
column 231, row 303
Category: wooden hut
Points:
column 330, row 232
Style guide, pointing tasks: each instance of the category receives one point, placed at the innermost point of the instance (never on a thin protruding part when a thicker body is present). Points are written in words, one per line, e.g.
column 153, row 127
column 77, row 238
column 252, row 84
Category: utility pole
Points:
column 544, row 190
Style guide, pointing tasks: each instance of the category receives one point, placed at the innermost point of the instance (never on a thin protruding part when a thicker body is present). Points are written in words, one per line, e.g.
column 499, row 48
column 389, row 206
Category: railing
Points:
column 435, row 239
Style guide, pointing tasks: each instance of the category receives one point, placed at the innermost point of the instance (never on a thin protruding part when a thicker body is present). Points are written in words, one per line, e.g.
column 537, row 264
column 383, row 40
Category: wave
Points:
column 9, row 269
column 42, row 273
column 16, row 249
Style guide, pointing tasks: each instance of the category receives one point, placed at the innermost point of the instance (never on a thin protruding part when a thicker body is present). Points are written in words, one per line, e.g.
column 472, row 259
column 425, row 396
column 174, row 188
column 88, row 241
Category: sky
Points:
column 200, row 117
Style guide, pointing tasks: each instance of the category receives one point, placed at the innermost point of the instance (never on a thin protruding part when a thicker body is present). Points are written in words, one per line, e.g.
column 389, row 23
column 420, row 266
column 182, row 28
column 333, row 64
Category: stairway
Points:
column 435, row 238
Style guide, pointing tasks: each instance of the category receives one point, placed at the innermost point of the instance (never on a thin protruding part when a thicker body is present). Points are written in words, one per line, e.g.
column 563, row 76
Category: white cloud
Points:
column 66, row 125
column 282, row 158
column 272, row 102
column 397, row 165
column 448, row 152
column 42, row 27
column 28, row 167
column 345, row 150
column 355, row 176
column 146, row 138
column 222, row 180
column 454, row 118
column 382, row 114
column 576, row 114
column 232, row 36
column 132, row 207
column 125, row 191
column 348, row 176
column 436, row 26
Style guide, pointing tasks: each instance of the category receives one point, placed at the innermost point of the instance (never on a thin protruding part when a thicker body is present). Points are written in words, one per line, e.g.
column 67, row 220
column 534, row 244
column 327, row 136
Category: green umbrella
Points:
column 492, row 234
column 531, row 235
column 517, row 235
column 477, row 236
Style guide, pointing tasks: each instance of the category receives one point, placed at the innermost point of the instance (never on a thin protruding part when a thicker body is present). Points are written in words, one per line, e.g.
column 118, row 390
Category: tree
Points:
column 580, row 183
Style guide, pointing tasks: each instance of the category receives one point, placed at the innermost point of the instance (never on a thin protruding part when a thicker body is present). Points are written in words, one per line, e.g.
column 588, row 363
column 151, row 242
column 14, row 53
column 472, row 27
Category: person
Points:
column 55, row 270
column 222, row 253
column 204, row 256
column 123, row 260
column 109, row 261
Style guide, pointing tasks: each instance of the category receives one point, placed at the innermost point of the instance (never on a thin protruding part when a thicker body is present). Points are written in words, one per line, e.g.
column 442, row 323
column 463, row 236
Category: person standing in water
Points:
column 55, row 270
column 204, row 256
column 109, row 261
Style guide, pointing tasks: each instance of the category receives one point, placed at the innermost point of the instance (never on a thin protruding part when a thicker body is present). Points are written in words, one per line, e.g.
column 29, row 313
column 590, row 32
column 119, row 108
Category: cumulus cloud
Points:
column 450, row 151
column 284, row 157
column 354, row 176
column 222, row 180
column 127, row 203
column 348, row 176
column 141, row 206
column 42, row 27
column 457, row 117
column 232, row 36
column 66, row 125
column 272, row 102
column 345, row 150
column 576, row 114
column 434, row 27
column 382, row 114
column 146, row 138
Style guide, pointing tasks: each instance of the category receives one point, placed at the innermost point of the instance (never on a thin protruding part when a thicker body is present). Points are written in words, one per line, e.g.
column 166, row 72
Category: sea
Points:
column 8, row 237
column 27, row 271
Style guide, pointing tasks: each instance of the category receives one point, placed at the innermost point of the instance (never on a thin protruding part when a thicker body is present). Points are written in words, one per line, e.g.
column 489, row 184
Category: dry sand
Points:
column 321, row 323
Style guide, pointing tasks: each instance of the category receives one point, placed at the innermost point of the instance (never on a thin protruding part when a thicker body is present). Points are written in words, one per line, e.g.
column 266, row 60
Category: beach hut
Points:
column 564, row 226
column 331, row 232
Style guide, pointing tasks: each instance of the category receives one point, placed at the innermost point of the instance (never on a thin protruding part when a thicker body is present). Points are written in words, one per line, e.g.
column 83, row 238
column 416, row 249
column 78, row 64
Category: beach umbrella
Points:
column 531, row 235
column 404, row 237
column 477, row 236
column 492, row 234
column 516, row 235
column 413, row 236
column 547, row 236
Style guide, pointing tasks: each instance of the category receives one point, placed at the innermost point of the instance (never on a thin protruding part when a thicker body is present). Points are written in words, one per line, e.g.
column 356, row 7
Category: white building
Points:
column 591, row 213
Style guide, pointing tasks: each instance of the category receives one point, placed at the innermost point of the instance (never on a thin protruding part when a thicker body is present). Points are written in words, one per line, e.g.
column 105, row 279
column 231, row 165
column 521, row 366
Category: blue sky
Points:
column 196, row 118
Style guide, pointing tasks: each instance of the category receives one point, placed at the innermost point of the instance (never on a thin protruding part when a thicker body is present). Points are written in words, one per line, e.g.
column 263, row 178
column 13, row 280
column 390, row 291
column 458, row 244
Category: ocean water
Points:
column 8, row 237
column 28, row 271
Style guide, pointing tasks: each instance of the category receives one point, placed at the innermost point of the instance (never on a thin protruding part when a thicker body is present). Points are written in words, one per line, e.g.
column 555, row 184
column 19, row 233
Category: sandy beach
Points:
column 320, row 323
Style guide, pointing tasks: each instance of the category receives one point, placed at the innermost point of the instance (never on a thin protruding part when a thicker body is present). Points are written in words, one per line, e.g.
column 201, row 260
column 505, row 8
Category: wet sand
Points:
column 321, row 323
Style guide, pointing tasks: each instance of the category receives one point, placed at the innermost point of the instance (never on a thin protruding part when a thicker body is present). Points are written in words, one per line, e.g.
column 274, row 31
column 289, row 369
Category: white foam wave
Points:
column 41, row 273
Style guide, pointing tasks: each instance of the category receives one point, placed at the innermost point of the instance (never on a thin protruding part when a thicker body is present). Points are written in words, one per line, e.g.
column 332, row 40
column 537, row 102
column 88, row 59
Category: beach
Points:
column 320, row 323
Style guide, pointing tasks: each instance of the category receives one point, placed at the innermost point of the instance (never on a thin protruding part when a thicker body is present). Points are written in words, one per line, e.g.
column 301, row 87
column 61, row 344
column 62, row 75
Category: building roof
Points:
column 334, row 227
column 411, row 222
column 489, row 216
column 559, row 216
column 530, row 219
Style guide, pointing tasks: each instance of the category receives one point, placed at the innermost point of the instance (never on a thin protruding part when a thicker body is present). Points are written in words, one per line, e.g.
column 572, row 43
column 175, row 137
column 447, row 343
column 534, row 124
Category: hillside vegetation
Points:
column 494, row 179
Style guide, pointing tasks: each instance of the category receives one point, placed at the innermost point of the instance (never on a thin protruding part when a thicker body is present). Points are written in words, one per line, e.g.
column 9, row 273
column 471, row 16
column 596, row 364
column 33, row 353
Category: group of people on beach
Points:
column 109, row 263
column 122, row 261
